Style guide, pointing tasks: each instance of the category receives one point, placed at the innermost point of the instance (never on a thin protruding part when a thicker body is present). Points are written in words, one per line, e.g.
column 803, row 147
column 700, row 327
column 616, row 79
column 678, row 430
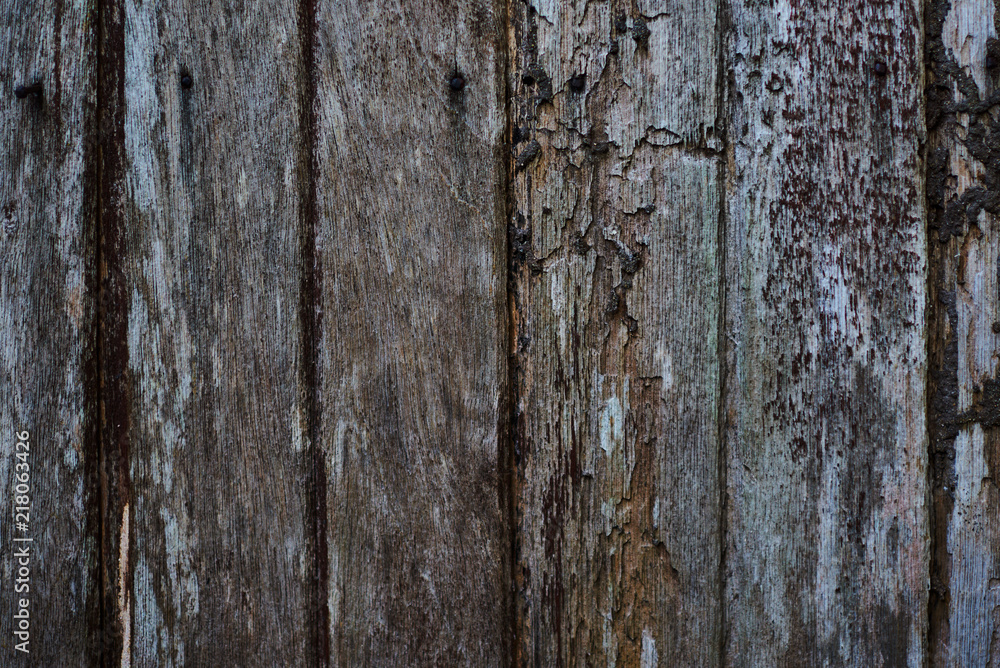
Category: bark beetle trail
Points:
column 310, row 314
column 112, row 347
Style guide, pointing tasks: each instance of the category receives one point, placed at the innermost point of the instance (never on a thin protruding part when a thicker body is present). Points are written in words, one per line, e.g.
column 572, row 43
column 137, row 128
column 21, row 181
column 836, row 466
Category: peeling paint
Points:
column 666, row 367
column 612, row 427
column 649, row 658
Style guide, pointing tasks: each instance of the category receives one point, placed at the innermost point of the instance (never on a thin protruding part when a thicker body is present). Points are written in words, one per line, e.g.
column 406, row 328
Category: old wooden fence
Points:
column 473, row 332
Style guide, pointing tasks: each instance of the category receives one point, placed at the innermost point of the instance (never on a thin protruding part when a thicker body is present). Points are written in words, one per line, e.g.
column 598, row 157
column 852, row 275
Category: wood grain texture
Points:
column 410, row 254
column 645, row 344
column 46, row 328
column 827, row 559
column 963, row 196
column 202, row 224
column 615, row 269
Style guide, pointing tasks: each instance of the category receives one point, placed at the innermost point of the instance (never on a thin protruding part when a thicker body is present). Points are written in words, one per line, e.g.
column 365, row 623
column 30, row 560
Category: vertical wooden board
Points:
column 827, row 522
column 615, row 303
column 46, row 329
column 202, row 251
column 410, row 258
column 964, row 222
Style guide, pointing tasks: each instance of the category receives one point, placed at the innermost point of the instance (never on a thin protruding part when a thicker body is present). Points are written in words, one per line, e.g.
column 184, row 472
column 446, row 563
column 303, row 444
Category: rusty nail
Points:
column 186, row 81
column 881, row 68
column 457, row 82
column 22, row 92
column 578, row 83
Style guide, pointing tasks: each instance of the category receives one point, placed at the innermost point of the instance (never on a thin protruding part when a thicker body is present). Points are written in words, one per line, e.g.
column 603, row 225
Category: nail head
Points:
column 457, row 82
column 186, row 81
column 640, row 31
column 578, row 83
column 23, row 91
column 881, row 68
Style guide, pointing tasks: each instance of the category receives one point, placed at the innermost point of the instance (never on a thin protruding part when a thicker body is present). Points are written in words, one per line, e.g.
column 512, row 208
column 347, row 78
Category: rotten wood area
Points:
column 826, row 260
column 615, row 296
column 963, row 200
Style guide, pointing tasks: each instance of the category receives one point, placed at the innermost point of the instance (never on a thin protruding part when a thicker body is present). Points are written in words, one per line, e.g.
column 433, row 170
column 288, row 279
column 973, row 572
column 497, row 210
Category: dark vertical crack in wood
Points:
column 91, row 358
column 942, row 372
column 310, row 313
column 95, row 369
column 514, row 434
column 507, row 432
column 111, row 346
column 723, row 28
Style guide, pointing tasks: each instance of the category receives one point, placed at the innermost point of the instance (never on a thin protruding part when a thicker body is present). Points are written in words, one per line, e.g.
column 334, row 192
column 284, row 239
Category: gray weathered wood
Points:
column 615, row 302
column 410, row 253
column 204, row 440
column 260, row 331
column 826, row 509
column 964, row 205
column 46, row 332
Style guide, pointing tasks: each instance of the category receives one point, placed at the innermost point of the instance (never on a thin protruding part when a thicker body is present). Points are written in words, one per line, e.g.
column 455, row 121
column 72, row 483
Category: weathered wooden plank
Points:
column 410, row 256
column 615, row 302
column 47, row 296
column 206, row 177
column 964, row 205
column 827, row 559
